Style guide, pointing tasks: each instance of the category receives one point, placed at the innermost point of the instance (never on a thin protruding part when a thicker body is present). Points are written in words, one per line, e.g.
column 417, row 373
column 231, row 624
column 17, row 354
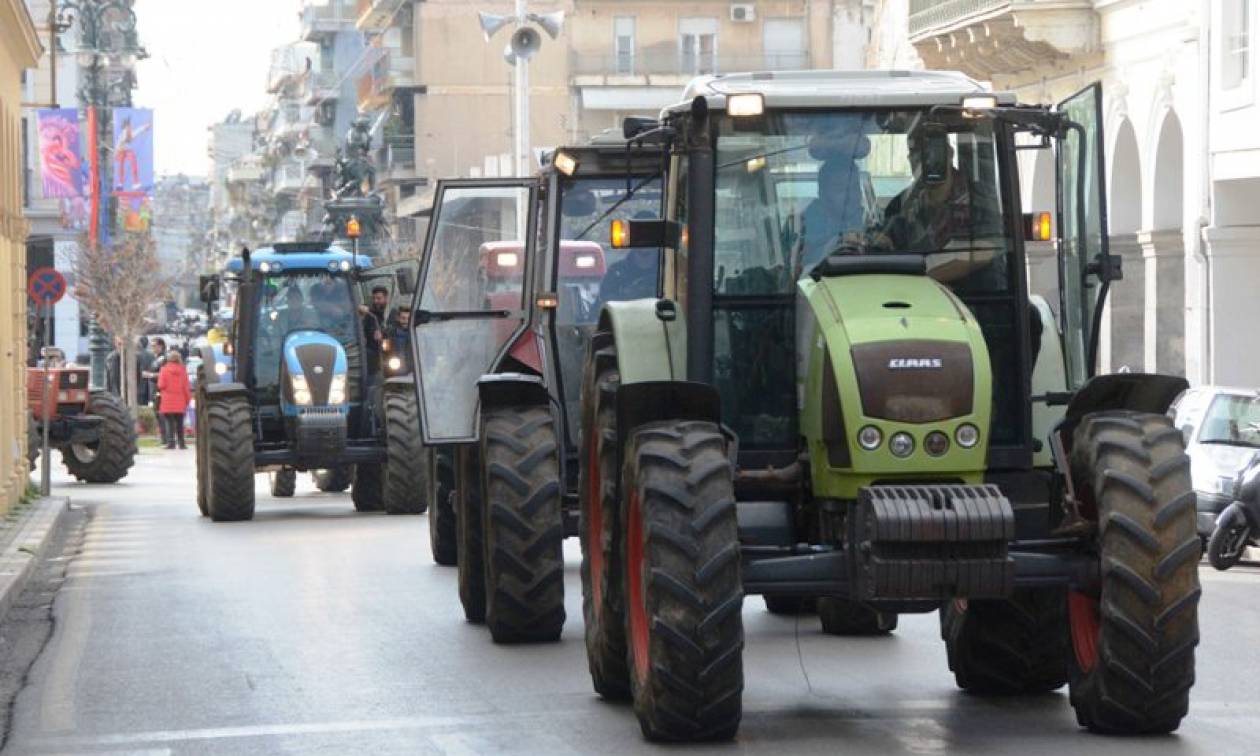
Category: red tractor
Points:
column 92, row 429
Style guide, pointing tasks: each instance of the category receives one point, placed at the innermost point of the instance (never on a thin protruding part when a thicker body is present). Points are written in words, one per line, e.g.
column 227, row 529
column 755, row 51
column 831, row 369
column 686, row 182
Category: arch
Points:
column 1167, row 190
column 1124, row 194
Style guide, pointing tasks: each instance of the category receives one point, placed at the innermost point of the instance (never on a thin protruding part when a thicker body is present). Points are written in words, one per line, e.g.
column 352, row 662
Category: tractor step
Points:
column 931, row 542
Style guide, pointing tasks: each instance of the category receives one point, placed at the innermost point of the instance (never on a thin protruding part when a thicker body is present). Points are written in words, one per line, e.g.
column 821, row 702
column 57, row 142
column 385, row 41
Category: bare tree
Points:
column 118, row 284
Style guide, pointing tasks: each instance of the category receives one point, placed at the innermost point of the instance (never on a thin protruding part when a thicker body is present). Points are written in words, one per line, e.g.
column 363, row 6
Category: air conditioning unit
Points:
column 743, row 13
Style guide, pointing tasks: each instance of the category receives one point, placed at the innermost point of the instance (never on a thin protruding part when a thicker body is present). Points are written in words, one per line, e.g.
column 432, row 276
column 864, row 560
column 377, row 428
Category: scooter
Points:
column 1238, row 526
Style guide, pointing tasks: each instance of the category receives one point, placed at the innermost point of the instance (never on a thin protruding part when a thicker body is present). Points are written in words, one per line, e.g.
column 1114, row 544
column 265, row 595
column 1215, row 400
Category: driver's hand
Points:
column 363, row 309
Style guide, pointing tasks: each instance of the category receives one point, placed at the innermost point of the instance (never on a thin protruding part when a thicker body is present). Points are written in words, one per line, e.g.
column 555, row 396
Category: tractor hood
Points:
column 315, row 359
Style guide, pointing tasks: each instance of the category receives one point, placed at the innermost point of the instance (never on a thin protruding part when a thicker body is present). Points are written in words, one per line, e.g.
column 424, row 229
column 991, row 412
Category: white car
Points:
column 1221, row 426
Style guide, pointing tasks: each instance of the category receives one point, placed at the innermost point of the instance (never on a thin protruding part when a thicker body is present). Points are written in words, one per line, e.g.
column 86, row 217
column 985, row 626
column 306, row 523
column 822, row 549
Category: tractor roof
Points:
column 840, row 89
column 301, row 256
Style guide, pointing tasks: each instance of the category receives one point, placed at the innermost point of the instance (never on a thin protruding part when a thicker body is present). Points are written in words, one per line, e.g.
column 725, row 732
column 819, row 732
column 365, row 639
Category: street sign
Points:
column 46, row 286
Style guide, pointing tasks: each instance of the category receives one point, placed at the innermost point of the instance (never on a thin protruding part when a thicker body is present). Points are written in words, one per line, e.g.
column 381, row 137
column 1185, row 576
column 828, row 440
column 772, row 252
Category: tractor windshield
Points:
column 800, row 186
column 288, row 302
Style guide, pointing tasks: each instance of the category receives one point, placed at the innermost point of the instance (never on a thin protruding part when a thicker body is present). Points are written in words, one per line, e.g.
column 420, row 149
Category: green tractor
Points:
column 514, row 273
column 846, row 398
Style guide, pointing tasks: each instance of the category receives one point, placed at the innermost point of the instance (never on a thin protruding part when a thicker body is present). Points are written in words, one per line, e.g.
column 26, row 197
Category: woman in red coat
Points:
column 175, row 395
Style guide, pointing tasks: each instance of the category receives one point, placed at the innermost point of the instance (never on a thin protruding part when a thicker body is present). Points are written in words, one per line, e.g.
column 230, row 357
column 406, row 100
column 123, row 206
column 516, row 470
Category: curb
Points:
column 24, row 552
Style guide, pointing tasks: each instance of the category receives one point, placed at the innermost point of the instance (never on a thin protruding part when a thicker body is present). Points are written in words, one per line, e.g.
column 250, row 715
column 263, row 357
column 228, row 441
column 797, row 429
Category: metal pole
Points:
column 522, row 104
column 45, row 469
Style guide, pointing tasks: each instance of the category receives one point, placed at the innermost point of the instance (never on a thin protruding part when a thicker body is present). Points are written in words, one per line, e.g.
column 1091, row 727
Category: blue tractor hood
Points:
column 317, row 359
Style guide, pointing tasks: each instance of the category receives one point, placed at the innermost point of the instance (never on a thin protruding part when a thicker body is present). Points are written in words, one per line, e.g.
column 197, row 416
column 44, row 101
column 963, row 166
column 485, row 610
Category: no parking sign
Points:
column 46, row 286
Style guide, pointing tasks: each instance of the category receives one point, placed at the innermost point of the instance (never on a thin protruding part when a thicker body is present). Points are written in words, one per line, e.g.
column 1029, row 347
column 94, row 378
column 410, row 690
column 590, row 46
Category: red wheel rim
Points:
column 1086, row 629
column 595, row 523
column 636, row 607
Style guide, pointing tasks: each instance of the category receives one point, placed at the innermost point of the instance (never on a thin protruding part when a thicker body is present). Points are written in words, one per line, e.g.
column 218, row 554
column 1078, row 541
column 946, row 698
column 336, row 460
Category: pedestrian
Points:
column 144, row 367
column 113, row 368
column 175, row 396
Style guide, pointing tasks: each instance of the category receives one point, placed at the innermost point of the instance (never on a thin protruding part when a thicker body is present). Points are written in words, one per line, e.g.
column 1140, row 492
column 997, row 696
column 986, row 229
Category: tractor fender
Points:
column 512, row 389
column 399, row 383
column 651, row 339
column 225, row 390
column 1139, row 392
column 654, row 401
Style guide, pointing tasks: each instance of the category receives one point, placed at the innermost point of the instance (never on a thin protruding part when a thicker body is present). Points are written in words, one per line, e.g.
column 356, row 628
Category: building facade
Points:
column 20, row 51
column 1183, row 153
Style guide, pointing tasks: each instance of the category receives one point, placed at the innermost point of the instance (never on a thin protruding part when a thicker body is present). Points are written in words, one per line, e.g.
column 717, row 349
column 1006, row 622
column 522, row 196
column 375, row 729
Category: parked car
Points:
column 1221, row 426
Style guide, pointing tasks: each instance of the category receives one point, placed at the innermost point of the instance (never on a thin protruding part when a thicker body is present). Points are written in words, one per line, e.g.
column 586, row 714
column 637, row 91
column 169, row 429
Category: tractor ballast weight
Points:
column 292, row 391
column 849, row 400
column 502, row 318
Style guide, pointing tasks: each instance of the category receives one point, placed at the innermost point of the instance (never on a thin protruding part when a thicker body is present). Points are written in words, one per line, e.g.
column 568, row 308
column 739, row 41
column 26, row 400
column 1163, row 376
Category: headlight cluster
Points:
column 902, row 444
column 337, row 391
column 394, row 363
column 301, row 391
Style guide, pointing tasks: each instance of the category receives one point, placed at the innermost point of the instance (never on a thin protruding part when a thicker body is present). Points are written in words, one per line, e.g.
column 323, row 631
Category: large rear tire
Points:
column 683, row 588
column 845, row 617
column 1016, row 646
column 334, row 479
column 442, row 540
column 406, row 478
column 366, row 490
column 109, row 458
column 1228, row 543
column 284, row 483
column 200, row 446
column 229, row 439
column 1132, row 664
column 470, row 550
column 523, row 526
column 599, row 527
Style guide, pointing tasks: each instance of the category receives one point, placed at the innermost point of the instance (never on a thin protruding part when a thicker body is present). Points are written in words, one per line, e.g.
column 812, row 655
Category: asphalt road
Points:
column 313, row 629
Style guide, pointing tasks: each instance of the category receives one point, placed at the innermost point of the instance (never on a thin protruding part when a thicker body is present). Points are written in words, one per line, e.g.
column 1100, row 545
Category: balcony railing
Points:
column 676, row 63
column 321, row 86
column 932, row 14
column 397, row 158
column 328, row 18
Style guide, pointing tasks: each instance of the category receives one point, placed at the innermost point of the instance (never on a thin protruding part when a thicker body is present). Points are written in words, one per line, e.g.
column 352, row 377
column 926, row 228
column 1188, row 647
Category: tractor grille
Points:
column 319, row 410
column 318, row 361
column 914, row 381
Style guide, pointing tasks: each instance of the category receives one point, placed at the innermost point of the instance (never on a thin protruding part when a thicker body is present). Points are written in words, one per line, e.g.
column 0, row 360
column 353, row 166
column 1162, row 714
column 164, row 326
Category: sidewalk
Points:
column 24, row 536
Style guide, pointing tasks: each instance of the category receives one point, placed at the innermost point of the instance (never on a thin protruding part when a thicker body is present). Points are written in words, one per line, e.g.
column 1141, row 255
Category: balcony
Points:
column 377, row 15
column 246, row 170
column 390, row 73
column 987, row 38
column 396, row 159
column 320, row 20
column 322, row 86
column 670, row 67
column 287, row 178
column 320, row 149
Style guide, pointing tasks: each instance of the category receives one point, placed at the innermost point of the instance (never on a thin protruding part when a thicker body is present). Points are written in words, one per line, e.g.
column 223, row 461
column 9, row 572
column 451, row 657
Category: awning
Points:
column 417, row 205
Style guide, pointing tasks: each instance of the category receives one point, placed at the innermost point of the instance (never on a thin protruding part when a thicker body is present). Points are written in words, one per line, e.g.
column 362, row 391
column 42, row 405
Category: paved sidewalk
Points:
column 24, row 537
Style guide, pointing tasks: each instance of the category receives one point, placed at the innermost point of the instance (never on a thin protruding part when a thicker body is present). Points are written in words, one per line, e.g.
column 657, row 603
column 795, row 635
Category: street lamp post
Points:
column 107, row 40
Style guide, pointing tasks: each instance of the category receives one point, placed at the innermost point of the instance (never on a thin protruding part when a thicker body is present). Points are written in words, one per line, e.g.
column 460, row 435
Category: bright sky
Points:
column 207, row 58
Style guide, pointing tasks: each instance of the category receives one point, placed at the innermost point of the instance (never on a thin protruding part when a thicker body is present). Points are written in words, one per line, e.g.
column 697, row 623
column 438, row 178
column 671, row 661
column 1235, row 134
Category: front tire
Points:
column 599, row 527
column 1228, row 542
column 683, row 588
column 112, row 455
column 1132, row 664
column 523, row 526
column 1016, row 646
column 229, row 439
column 471, row 552
column 442, row 540
column 405, row 476
column 284, row 483
column 366, row 490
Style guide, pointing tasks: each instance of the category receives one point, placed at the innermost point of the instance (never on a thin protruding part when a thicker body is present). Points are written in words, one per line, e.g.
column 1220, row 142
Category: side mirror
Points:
column 645, row 233
column 209, row 287
column 406, row 279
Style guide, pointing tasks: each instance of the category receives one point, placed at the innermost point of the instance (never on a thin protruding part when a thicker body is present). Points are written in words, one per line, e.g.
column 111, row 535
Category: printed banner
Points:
column 60, row 163
column 132, row 169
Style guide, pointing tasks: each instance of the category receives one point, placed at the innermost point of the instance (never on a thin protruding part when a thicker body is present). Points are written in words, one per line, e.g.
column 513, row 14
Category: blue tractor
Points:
column 302, row 391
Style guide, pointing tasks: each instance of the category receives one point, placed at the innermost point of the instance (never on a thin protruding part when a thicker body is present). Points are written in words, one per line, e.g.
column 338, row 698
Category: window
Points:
column 1235, row 43
column 783, row 40
column 697, row 45
column 623, row 44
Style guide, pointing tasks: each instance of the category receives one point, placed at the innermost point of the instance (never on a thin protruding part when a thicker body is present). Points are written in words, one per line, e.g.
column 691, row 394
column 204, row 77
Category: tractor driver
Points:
column 297, row 315
column 836, row 212
column 375, row 325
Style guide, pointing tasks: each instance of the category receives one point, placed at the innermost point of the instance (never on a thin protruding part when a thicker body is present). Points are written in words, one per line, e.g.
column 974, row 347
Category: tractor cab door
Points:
column 470, row 302
column 1085, row 265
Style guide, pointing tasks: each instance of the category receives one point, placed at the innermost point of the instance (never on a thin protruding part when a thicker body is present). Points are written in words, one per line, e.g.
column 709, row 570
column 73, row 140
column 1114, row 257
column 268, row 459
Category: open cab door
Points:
column 469, row 305
column 1086, row 267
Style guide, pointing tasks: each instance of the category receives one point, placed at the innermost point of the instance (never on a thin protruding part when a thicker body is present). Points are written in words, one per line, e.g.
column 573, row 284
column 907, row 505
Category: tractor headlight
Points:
column 220, row 368
column 301, row 391
column 395, row 363
column 337, row 391
column 967, row 436
column 936, row 444
column 869, row 438
column 901, row 444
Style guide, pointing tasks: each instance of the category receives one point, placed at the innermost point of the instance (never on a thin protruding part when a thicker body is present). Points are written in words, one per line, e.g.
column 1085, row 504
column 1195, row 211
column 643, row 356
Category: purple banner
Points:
column 61, row 166
column 132, row 169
